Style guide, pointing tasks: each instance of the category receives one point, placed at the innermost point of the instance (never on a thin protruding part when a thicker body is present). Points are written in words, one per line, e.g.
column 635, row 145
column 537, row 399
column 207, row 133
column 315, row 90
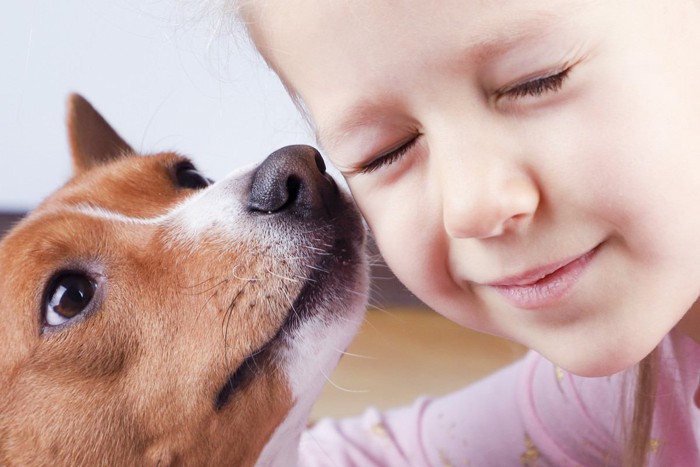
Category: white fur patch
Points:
column 312, row 354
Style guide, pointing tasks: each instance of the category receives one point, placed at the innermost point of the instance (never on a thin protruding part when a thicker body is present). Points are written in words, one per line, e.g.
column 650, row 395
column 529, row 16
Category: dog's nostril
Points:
column 320, row 164
column 293, row 186
column 292, row 180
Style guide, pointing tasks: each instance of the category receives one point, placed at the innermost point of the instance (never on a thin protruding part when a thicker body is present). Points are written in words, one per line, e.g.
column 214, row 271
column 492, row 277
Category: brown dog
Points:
column 151, row 317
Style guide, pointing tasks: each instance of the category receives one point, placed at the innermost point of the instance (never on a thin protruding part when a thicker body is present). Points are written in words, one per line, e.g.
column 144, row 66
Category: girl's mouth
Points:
column 544, row 285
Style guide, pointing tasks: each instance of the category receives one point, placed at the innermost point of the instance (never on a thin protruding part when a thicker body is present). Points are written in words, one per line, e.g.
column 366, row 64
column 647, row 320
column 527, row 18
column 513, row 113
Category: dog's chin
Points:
column 307, row 347
column 309, row 351
column 319, row 326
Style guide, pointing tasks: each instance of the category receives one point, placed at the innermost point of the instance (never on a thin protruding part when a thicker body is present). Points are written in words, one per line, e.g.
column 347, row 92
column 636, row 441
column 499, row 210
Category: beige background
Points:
column 402, row 353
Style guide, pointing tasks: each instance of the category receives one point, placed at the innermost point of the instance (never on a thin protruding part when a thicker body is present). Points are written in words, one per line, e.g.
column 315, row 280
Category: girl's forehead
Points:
column 289, row 32
column 336, row 54
column 307, row 41
column 265, row 18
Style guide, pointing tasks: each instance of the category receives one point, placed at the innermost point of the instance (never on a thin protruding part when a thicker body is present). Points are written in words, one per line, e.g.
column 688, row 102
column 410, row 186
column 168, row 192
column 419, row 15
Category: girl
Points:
column 529, row 169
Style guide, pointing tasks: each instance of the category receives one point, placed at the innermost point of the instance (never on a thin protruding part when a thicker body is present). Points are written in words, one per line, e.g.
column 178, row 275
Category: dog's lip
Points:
column 243, row 374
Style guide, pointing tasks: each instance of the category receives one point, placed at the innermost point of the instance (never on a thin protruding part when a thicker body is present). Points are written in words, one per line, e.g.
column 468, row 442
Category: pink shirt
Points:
column 530, row 413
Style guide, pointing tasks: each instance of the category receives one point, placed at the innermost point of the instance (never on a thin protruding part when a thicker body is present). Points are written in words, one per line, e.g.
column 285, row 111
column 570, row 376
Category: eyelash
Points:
column 537, row 86
column 389, row 157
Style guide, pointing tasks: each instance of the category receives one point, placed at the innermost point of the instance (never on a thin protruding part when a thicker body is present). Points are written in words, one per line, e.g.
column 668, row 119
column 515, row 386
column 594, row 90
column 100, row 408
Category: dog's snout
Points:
column 293, row 180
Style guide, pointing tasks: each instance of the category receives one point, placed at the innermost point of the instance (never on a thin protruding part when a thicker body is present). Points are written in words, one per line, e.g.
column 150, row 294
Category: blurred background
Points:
column 168, row 78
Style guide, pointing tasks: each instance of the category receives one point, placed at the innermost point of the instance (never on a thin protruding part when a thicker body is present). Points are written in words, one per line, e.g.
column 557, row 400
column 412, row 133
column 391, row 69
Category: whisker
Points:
column 280, row 276
column 337, row 386
column 355, row 355
column 218, row 284
column 247, row 279
column 227, row 318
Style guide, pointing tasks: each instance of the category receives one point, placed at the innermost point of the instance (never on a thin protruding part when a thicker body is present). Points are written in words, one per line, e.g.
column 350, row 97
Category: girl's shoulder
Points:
column 675, row 436
column 564, row 412
column 681, row 354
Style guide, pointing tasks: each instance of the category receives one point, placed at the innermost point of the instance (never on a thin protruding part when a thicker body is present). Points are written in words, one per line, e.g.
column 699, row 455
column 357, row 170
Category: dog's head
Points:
column 152, row 317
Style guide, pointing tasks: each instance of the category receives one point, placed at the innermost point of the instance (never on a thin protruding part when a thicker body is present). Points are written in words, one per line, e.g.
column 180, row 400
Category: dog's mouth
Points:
column 308, row 303
column 243, row 375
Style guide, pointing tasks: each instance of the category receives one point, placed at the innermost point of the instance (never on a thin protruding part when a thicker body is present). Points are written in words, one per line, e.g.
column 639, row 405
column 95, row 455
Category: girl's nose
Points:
column 488, row 202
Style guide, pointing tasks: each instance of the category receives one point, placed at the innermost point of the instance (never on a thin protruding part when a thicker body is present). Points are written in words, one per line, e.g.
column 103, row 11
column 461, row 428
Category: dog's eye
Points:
column 187, row 176
column 68, row 296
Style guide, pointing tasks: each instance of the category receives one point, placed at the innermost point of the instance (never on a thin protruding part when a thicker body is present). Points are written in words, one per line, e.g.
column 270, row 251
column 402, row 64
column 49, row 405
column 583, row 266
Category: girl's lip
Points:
column 544, row 285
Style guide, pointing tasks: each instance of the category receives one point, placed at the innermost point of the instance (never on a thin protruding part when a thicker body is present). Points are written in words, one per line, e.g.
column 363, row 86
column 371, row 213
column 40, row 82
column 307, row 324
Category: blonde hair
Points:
column 636, row 431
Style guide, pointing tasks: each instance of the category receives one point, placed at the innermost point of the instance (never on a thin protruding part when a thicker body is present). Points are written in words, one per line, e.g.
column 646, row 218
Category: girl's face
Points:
column 530, row 169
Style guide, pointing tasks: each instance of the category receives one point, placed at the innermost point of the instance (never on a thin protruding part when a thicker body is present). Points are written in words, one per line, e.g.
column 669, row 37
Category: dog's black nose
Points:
column 292, row 179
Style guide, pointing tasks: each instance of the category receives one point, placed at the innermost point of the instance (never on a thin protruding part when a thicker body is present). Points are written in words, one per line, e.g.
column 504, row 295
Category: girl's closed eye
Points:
column 535, row 87
column 390, row 156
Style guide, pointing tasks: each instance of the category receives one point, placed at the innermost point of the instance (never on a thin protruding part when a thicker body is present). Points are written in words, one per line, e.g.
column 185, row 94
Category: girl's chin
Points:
column 600, row 363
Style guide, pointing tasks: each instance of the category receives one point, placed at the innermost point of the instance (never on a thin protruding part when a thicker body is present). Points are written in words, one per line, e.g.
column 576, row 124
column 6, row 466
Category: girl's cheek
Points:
column 396, row 217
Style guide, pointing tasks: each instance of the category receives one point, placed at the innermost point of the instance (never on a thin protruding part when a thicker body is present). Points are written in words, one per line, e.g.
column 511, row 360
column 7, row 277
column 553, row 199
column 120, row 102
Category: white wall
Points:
column 150, row 72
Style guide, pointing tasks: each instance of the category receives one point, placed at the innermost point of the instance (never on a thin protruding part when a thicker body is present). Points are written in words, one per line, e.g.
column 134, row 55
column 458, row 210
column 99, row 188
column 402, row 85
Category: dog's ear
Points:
column 92, row 140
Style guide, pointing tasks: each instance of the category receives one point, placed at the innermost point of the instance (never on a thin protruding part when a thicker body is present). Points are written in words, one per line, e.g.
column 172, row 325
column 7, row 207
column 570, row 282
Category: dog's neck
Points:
column 283, row 447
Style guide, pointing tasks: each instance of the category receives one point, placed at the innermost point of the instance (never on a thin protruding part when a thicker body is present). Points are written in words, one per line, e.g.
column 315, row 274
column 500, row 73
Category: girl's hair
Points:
column 636, row 430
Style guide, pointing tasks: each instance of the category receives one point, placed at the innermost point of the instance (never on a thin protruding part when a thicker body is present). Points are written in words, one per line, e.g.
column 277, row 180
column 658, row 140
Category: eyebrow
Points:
column 485, row 46
column 357, row 115
column 489, row 44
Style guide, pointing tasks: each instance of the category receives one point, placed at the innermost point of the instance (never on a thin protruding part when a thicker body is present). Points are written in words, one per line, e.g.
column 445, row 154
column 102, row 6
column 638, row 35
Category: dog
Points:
column 153, row 317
